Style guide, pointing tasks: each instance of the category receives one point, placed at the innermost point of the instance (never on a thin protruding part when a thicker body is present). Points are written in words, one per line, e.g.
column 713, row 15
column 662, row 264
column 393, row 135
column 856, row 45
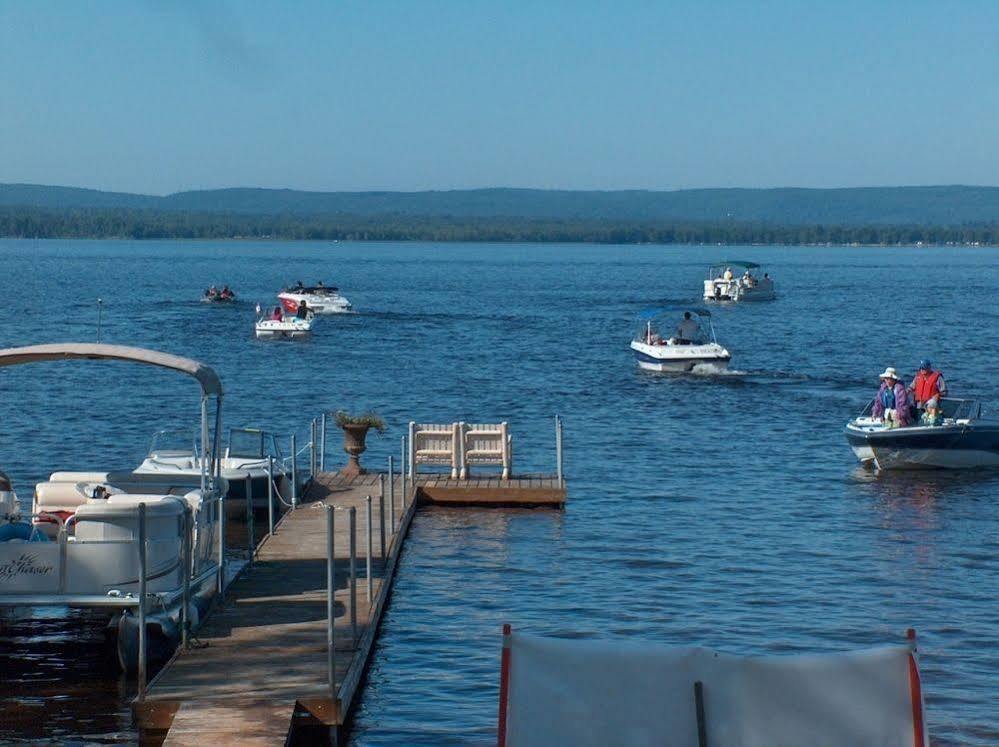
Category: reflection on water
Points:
column 721, row 510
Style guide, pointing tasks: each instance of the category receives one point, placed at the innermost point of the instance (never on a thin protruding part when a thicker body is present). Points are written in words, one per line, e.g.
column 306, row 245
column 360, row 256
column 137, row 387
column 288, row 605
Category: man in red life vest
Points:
column 928, row 386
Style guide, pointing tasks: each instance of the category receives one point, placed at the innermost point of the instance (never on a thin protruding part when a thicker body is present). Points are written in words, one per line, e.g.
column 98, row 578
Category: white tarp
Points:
column 583, row 692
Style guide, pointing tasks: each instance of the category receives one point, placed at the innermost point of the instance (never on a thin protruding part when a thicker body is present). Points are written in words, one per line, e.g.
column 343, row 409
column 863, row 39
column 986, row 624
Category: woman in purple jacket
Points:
column 891, row 403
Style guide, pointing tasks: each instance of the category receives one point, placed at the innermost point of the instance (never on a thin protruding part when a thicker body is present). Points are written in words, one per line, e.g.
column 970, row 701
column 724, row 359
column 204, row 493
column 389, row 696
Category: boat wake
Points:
column 713, row 369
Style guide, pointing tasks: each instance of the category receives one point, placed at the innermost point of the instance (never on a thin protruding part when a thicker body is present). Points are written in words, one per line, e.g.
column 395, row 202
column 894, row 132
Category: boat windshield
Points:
column 951, row 408
column 657, row 326
column 251, row 443
column 174, row 442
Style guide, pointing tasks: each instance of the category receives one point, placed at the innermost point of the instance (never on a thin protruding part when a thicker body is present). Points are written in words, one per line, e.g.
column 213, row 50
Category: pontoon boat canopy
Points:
column 736, row 263
column 645, row 314
column 209, row 380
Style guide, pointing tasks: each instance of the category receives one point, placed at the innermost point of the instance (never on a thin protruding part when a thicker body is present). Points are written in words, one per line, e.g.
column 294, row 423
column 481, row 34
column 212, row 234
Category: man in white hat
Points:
column 891, row 403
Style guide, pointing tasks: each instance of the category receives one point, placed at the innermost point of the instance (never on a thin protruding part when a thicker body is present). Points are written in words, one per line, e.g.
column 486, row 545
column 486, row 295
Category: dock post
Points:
column 322, row 447
column 381, row 514
column 402, row 473
column 142, row 602
column 185, row 621
column 270, row 495
column 558, row 450
column 391, row 496
column 330, row 603
column 352, row 514
column 313, row 450
column 249, row 518
column 367, row 558
column 294, row 473
column 221, row 560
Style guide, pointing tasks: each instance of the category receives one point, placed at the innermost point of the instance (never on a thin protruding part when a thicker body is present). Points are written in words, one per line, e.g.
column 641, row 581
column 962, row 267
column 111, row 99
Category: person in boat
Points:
column 688, row 331
column 212, row 292
column 319, row 284
column 302, row 312
column 226, row 293
column 928, row 387
column 748, row 280
column 277, row 315
column 299, row 285
column 728, row 274
column 891, row 403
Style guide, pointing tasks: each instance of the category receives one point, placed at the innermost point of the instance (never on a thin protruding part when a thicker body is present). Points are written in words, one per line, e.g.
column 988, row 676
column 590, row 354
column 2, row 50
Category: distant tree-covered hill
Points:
column 867, row 206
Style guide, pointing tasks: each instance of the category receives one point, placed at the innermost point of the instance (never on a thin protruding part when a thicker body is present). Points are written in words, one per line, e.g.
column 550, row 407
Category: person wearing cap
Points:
column 928, row 386
column 891, row 403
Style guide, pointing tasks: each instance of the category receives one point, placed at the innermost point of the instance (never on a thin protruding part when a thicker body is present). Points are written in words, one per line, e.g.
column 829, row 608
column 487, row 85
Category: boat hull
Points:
column 679, row 358
column 970, row 446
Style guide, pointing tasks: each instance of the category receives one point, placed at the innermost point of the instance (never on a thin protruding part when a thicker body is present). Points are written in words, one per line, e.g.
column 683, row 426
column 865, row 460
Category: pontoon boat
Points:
column 961, row 440
column 744, row 283
column 112, row 541
column 673, row 339
column 320, row 299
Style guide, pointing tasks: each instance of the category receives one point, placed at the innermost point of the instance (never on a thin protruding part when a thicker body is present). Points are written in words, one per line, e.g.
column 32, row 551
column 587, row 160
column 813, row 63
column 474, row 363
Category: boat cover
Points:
column 586, row 692
column 209, row 380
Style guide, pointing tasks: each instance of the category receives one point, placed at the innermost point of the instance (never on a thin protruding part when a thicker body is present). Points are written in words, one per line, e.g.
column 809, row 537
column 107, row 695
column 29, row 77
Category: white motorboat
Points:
column 960, row 439
column 285, row 328
column 147, row 549
column 745, row 283
column 685, row 348
column 319, row 299
column 251, row 455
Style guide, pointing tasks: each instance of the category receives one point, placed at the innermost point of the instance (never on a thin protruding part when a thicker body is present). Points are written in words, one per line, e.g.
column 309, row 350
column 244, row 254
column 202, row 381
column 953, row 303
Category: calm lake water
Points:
column 725, row 511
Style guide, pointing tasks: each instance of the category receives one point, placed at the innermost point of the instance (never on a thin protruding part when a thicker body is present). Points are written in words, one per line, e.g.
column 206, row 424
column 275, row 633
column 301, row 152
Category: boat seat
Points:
column 60, row 496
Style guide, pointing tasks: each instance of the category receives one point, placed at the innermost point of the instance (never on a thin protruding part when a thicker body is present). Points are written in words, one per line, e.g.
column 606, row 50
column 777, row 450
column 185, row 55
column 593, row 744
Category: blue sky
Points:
column 163, row 96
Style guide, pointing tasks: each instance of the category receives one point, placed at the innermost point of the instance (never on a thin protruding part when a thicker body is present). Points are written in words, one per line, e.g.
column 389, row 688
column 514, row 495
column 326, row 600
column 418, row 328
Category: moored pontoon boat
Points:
column 670, row 339
column 962, row 440
column 141, row 547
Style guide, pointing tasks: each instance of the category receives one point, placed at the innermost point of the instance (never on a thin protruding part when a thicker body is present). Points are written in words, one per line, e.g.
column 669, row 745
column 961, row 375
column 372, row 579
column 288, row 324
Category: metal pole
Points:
column 249, row 518
column 313, row 450
column 142, row 601
column 353, row 573
column 368, row 548
column 220, row 504
column 402, row 472
column 185, row 622
column 270, row 495
column 322, row 452
column 100, row 317
column 391, row 496
column 558, row 449
column 330, row 604
column 294, row 472
column 381, row 514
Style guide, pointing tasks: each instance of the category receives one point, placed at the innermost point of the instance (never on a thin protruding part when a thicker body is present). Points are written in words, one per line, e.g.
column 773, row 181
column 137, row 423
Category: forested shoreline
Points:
column 126, row 223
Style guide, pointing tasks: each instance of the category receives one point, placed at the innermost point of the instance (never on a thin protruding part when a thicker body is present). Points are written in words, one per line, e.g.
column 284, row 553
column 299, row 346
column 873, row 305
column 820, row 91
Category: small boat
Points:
column 960, row 440
column 319, row 299
column 176, row 452
column 286, row 328
column 682, row 350
column 82, row 544
column 213, row 295
column 722, row 284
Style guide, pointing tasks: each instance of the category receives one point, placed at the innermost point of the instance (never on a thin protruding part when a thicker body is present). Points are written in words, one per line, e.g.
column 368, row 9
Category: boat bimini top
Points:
column 722, row 264
column 208, row 380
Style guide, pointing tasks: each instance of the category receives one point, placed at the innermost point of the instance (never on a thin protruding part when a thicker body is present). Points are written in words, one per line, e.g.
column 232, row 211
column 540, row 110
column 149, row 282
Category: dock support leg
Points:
column 391, row 495
column 558, row 450
column 352, row 514
column 402, row 473
column 294, row 473
column 322, row 446
column 142, row 602
column 330, row 603
column 381, row 515
column 313, row 450
column 368, row 549
column 220, row 503
column 249, row 518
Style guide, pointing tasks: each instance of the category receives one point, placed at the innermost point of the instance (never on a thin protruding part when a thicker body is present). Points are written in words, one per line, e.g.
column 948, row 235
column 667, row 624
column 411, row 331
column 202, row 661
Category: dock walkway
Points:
column 258, row 672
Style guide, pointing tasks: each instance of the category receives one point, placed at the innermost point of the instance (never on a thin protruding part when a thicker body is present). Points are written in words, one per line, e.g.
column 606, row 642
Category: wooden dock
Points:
column 258, row 673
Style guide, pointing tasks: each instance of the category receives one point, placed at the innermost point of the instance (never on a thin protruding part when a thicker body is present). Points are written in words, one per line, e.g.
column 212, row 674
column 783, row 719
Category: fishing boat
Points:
column 251, row 458
column 285, row 328
column 745, row 283
column 145, row 549
column 319, row 299
column 960, row 439
column 686, row 347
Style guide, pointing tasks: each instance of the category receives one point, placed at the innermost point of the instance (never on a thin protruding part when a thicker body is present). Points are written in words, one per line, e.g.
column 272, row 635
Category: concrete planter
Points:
column 354, row 436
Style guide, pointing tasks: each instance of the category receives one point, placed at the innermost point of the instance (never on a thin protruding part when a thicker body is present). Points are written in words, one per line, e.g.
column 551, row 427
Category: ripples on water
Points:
column 723, row 510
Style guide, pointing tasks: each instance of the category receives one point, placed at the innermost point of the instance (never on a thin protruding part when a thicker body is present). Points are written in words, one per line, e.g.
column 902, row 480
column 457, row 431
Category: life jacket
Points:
column 926, row 386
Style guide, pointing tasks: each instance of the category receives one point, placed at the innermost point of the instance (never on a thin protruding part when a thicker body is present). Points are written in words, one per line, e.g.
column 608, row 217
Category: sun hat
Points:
column 890, row 373
column 926, row 364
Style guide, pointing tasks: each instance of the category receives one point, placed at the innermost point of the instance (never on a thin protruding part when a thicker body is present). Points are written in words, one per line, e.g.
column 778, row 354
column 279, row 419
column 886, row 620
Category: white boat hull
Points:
column 317, row 303
column 680, row 358
column 287, row 329
column 736, row 290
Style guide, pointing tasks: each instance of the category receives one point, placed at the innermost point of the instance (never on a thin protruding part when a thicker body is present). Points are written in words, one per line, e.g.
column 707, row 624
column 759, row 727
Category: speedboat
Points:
column 722, row 284
column 82, row 543
column 285, row 328
column 960, row 440
column 320, row 299
column 252, row 454
column 686, row 348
